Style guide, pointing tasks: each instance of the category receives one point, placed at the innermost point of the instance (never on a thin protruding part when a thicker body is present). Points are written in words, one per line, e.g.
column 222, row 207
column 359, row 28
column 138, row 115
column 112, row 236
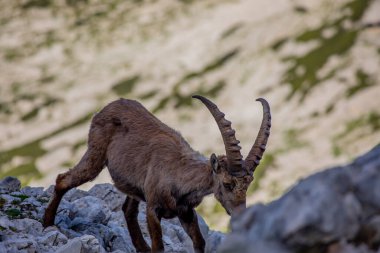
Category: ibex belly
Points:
column 128, row 176
column 125, row 181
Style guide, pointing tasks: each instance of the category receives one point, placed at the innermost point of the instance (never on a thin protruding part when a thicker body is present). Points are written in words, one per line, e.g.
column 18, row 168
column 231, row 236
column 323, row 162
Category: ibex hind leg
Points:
column 86, row 170
column 131, row 210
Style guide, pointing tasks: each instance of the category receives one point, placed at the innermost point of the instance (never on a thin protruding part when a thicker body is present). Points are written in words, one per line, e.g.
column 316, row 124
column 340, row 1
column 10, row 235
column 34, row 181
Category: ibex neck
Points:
column 199, row 179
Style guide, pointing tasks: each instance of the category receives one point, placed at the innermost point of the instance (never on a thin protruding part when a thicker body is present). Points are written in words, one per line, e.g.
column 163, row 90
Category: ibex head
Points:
column 232, row 174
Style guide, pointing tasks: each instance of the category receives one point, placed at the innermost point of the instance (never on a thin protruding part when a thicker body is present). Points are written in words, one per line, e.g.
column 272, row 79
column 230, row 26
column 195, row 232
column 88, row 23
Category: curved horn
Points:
column 231, row 145
column 257, row 151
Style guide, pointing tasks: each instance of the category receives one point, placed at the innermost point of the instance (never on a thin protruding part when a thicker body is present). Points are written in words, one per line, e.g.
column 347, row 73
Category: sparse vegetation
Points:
column 302, row 76
column 13, row 212
column 356, row 129
column 363, row 81
column 125, row 86
column 22, row 197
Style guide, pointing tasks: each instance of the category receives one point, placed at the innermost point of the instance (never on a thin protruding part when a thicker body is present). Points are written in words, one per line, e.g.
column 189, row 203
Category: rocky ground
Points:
column 334, row 211
column 87, row 222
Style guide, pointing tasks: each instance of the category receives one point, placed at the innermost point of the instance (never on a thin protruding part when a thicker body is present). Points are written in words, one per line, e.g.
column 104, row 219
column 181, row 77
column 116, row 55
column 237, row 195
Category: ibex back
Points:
column 151, row 162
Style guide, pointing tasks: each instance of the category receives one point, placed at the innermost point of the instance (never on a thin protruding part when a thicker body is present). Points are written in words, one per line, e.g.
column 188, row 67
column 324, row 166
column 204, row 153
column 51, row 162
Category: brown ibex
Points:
column 151, row 162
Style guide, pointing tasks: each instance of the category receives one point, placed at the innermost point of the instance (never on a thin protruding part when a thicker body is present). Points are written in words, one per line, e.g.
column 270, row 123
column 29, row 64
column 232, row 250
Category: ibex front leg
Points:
column 154, row 228
column 189, row 222
column 131, row 210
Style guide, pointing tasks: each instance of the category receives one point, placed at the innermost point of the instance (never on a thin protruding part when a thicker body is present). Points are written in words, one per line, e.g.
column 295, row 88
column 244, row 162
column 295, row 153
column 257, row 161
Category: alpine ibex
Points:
column 151, row 162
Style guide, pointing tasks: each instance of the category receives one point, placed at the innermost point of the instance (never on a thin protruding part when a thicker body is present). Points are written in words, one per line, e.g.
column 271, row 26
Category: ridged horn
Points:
column 257, row 151
column 231, row 144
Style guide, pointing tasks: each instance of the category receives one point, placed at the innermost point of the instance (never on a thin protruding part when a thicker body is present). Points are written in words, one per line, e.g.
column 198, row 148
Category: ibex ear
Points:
column 214, row 163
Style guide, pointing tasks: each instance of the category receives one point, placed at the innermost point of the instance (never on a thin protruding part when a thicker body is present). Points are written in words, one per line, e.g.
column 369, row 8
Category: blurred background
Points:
column 317, row 62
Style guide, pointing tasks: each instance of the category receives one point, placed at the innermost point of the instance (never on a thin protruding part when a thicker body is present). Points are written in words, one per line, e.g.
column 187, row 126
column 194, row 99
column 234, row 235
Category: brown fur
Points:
column 150, row 162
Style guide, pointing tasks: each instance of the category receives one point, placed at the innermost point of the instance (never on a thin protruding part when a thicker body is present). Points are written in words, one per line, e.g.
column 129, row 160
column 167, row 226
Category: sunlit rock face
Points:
column 314, row 61
column 334, row 211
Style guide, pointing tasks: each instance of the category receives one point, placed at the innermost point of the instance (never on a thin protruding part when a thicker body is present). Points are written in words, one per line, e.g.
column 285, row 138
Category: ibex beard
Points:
column 151, row 162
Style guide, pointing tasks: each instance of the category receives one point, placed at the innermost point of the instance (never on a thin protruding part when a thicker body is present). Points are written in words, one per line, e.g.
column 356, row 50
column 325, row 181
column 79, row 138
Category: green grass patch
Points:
column 36, row 4
column 34, row 112
column 185, row 99
column 2, row 202
column 125, row 86
column 363, row 81
column 32, row 151
column 13, row 229
column 78, row 145
column 230, row 31
column 20, row 196
column 293, row 140
column 265, row 164
column 148, row 95
column 43, row 200
column 13, row 212
column 212, row 66
column 370, row 121
column 278, row 44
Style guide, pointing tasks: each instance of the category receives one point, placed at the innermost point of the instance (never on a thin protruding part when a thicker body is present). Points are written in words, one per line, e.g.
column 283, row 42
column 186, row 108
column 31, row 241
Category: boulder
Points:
column 9, row 184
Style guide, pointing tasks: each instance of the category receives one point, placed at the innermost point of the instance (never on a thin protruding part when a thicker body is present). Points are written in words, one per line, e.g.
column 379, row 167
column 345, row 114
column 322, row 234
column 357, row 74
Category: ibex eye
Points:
column 228, row 186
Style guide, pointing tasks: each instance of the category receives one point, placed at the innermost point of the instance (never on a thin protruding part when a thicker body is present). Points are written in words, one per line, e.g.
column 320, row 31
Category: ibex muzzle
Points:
column 151, row 162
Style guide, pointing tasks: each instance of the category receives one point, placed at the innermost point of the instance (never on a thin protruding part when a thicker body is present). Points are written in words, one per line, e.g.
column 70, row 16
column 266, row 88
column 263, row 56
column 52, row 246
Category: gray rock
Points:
column 90, row 244
column 9, row 184
column 213, row 240
column 83, row 244
column 118, row 239
column 27, row 226
column 176, row 238
column 120, row 251
column 52, row 238
column 90, row 209
column 117, row 218
column 242, row 244
column 344, row 247
column 69, row 233
column 97, row 230
column 203, row 226
column 109, row 194
column 75, row 194
column 4, row 223
column 2, row 247
column 8, row 199
column 21, row 245
column 72, row 246
column 368, row 189
column 48, row 192
column 32, row 202
column 32, row 191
